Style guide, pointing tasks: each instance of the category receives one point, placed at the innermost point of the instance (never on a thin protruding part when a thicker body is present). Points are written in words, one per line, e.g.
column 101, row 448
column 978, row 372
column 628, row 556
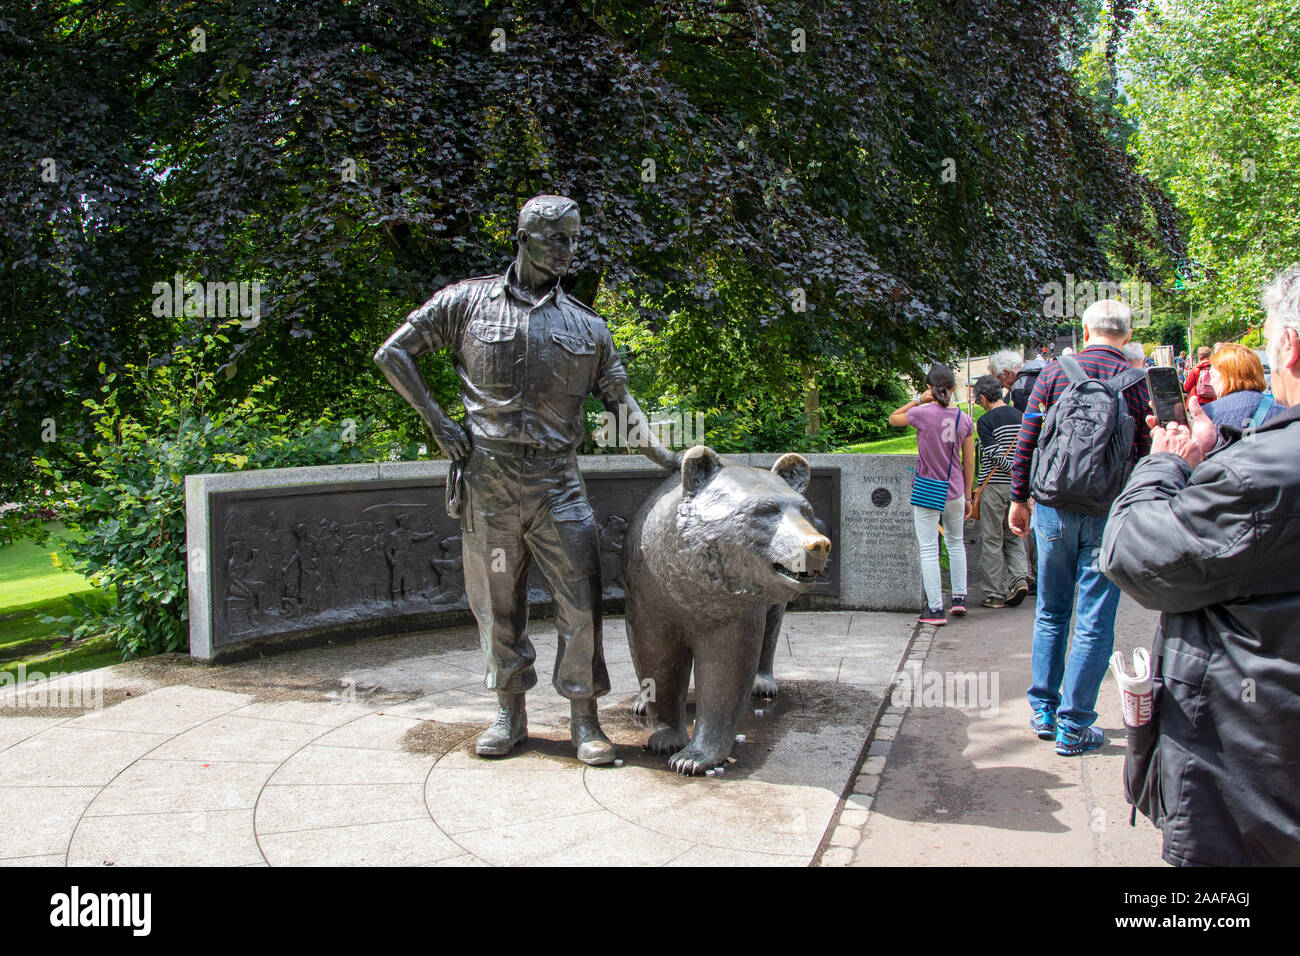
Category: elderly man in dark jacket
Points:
column 1206, row 531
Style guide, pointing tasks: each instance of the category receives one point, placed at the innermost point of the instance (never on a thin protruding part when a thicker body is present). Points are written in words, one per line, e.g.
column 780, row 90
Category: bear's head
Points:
column 748, row 531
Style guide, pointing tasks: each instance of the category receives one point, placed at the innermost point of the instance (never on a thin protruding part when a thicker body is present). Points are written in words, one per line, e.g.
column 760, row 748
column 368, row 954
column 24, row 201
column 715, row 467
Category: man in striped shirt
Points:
column 1003, row 570
column 1064, row 695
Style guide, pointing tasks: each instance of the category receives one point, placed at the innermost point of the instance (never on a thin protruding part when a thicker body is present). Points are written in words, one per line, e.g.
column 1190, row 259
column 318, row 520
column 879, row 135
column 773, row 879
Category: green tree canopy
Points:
column 876, row 182
column 1215, row 93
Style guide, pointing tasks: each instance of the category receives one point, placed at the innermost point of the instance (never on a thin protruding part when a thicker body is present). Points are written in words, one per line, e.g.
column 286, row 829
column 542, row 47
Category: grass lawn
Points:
column 901, row 444
column 31, row 587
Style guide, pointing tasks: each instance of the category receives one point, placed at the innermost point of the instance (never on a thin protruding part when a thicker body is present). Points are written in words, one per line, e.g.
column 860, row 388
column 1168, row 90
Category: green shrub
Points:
column 132, row 517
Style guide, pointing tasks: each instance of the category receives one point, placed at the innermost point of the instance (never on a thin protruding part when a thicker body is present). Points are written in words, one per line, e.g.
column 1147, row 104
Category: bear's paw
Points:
column 665, row 740
column 765, row 686
column 694, row 762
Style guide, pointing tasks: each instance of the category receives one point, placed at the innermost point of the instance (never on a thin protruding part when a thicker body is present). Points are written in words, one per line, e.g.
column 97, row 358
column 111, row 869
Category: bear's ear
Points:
column 794, row 470
column 699, row 464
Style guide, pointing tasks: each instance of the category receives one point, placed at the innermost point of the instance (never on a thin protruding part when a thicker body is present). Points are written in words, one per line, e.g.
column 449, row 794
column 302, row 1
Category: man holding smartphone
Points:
column 1205, row 531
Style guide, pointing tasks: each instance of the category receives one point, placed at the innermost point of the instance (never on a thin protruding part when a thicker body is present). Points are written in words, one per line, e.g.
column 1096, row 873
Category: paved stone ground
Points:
column 959, row 786
column 361, row 754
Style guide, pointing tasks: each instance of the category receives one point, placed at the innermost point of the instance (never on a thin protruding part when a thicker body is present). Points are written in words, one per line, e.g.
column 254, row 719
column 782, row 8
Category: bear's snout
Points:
column 805, row 558
column 816, row 552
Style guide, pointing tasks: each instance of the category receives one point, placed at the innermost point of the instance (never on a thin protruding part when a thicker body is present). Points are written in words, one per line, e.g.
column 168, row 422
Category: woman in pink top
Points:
column 945, row 445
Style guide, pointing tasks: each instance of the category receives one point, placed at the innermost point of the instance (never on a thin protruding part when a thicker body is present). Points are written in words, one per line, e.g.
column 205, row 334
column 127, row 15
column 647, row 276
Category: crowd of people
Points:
column 1194, row 520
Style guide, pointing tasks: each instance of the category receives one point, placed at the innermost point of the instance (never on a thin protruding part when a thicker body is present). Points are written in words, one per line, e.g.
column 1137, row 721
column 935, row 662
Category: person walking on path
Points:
column 1198, row 378
column 1092, row 439
column 942, row 488
column 1003, row 569
column 1005, row 366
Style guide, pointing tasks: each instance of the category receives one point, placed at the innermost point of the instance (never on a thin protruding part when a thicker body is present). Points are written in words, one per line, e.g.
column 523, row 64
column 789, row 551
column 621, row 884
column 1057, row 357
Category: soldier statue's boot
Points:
column 510, row 727
column 593, row 746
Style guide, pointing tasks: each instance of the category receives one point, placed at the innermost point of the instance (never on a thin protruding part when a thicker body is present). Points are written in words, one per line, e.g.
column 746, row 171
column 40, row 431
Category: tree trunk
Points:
column 811, row 401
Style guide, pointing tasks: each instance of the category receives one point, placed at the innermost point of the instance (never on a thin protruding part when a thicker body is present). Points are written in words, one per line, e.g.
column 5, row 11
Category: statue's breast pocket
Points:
column 573, row 362
column 488, row 350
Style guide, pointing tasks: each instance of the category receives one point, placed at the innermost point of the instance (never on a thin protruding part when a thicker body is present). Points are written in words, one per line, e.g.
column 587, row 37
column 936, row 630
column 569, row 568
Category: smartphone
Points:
column 1167, row 395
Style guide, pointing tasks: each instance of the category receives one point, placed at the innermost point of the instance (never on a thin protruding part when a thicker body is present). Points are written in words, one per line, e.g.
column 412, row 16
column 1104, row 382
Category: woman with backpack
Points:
column 942, row 488
column 1198, row 379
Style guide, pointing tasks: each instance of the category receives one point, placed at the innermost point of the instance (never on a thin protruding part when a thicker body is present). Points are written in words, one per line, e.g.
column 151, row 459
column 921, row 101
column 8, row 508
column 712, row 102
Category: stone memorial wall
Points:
column 290, row 557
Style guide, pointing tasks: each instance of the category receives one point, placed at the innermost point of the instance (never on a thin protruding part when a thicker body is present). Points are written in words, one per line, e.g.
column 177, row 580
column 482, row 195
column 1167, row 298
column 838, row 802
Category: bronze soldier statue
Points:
column 527, row 355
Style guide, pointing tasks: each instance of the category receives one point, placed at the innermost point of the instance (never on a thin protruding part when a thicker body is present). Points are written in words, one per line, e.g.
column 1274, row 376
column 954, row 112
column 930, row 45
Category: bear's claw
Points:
column 639, row 707
column 692, row 763
column 764, row 686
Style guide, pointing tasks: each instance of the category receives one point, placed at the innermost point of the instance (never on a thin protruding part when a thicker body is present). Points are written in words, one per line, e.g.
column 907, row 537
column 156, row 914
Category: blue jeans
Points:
column 1068, row 545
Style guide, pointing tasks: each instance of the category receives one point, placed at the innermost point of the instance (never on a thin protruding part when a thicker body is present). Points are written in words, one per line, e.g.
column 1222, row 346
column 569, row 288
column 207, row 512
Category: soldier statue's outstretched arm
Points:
column 639, row 424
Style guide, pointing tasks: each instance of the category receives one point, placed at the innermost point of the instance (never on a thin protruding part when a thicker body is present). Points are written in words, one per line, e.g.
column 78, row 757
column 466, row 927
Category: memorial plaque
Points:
column 878, row 507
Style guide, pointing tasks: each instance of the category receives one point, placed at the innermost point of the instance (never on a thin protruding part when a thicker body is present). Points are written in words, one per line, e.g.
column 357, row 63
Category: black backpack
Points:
column 1023, row 387
column 1085, row 450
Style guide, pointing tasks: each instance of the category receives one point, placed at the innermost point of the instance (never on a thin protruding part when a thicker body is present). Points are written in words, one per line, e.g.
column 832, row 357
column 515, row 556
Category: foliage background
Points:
column 1214, row 102
column 777, row 170
column 841, row 194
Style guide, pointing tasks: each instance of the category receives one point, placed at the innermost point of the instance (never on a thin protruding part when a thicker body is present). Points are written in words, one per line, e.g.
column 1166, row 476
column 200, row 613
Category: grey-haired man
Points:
column 527, row 355
column 1205, row 532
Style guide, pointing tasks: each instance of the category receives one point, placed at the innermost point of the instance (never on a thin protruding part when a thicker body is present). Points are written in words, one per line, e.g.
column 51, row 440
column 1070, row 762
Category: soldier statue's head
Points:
column 546, row 236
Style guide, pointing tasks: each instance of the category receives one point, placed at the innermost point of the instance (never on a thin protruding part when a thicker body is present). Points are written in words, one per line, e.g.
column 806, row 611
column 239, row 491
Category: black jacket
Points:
column 1218, row 551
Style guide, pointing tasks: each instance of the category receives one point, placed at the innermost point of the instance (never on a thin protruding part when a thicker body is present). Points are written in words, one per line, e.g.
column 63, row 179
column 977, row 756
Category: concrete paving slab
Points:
column 266, row 761
column 329, row 713
column 65, row 757
column 415, row 676
column 461, row 801
column 716, row 856
column 522, row 760
column 40, row 820
column 781, row 819
column 285, row 808
column 190, row 838
column 394, row 843
column 252, row 739
column 377, row 731
column 593, row 838
column 876, row 623
column 167, row 710
column 153, row 785
column 319, row 766
column 15, row 729
column 464, row 705
column 464, row 859
column 55, row 859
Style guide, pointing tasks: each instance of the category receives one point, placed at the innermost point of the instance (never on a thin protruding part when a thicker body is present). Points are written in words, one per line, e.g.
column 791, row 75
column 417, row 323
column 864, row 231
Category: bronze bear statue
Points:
column 709, row 563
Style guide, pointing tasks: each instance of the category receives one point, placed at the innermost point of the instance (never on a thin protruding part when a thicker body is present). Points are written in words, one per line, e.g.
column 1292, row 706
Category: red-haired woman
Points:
column 1238, row 379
